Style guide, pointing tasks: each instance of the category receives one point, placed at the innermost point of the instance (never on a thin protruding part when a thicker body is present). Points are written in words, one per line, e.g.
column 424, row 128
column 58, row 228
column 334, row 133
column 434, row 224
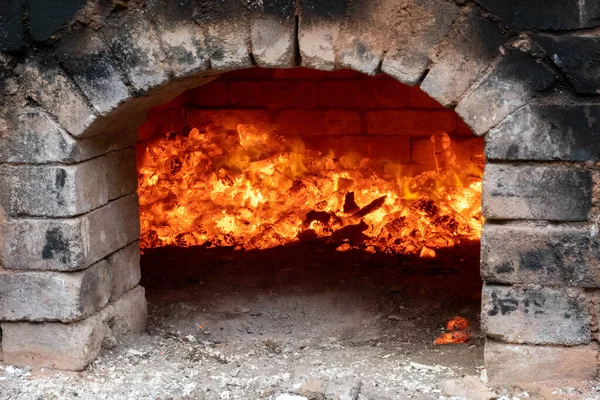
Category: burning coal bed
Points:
column 234, row 214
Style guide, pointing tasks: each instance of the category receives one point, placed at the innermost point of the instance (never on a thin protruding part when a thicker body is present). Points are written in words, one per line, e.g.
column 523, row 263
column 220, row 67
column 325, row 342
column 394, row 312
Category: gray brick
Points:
column 549, row 15
column 317, row 44
column 54, row 296
column 533, row 315
column 578, row 56
column 129, row 314
column 121, row 172
column 514, row 81
column 542, row 253
column 89, row 61
column 511, row 364
column 33, row 137
column 11, row 25
column 547, row 132
column 553, row 193
column 137, row 48
column 54, row 191
column 183, row 41
column 273, row 42
column 50, row 86
column 53, row 344
column 70, row 243
column 473, row 45
column 125, row 269
column 421, row 29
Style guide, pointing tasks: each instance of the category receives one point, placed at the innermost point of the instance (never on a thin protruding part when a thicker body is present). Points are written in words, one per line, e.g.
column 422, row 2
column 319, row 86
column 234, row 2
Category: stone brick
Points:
column 547, row 132
column 228, row 119
column 11, row 25
column 54, row 191
column 514, row 81
column 89, row 61
column 183, row 41
column 540, row 253
column 380, row 149
column 578, row 56
column 417, row 98
column 274, row 42
column 419, row 30
column 318, row 122
column 136, row 46
column 70, row 243
column 534, row 315
column 45, row 17
column 361, row 94
column 74, row 345
column 53, row 344
column 511, row 364
column 125, row 269
column 553, row 193
column 410, row 122
column 49, row 86
column 121, row 172
column 553, row 15
column 317, row 44
column 128, row 314
column 472, row 47
column 280, row 94
column 213, row 94
column 54, row 296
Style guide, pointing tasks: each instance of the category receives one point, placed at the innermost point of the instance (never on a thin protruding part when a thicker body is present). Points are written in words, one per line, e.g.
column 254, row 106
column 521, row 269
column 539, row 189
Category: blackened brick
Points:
column 11, row 25
column 46, row 16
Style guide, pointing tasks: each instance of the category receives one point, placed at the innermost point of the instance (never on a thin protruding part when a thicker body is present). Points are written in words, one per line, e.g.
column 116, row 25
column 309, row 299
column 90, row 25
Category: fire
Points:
column 254, row 189
column 457, row 332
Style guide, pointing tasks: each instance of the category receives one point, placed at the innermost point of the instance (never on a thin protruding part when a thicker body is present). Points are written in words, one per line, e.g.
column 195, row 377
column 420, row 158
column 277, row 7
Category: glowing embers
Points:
column 457, row 331
column 256, row 190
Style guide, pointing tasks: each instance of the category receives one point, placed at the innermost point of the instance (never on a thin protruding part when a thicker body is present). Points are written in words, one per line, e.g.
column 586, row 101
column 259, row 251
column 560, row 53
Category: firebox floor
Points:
column 297, row 321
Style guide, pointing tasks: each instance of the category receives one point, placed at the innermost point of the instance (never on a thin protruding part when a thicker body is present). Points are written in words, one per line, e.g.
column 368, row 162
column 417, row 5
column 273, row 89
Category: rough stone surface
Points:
column 54, row 191
column 183, row 41
column 128, row 314
column 11, row 25
column 125, row 269
column 514, row 81
column 121, row 172
column 555, row 193
column 48, row 85
column 547, row 132
column 75, row 345
column 88, row 59
column 317, row 42
column 542, row 253
column 135, row 44
column 53, row 344
column 71, row 243
column 273, row 42
column 54, row 296
column 513, row 364
column 533, row 315
column 578, row 55
column 45, row 17
column 422, row 25
column 552, row 15
column 471, row 48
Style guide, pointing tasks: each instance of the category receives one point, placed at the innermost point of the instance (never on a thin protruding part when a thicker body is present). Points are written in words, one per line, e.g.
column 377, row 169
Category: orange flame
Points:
column 253, row 189
column 458, row 332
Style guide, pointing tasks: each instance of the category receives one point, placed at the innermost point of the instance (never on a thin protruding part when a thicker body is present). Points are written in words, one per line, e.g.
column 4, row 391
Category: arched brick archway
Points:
column 68, row 209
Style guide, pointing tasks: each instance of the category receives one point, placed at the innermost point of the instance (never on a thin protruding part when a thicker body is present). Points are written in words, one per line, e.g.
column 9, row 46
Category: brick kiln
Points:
column 77, row 81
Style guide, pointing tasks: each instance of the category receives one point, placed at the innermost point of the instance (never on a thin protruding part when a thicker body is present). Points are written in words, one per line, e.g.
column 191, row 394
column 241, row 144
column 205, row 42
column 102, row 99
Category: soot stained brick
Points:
column 56, row 247
column 324, row 9
column 11, row 25
column 47, row 16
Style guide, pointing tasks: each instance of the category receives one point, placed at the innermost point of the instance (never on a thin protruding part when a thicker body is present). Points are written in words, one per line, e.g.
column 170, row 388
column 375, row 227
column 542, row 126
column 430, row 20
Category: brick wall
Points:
column 344, row 110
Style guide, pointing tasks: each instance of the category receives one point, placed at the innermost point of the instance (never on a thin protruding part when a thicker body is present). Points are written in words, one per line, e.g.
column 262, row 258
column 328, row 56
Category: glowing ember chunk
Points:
column 458, row 332
column 254, row 190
